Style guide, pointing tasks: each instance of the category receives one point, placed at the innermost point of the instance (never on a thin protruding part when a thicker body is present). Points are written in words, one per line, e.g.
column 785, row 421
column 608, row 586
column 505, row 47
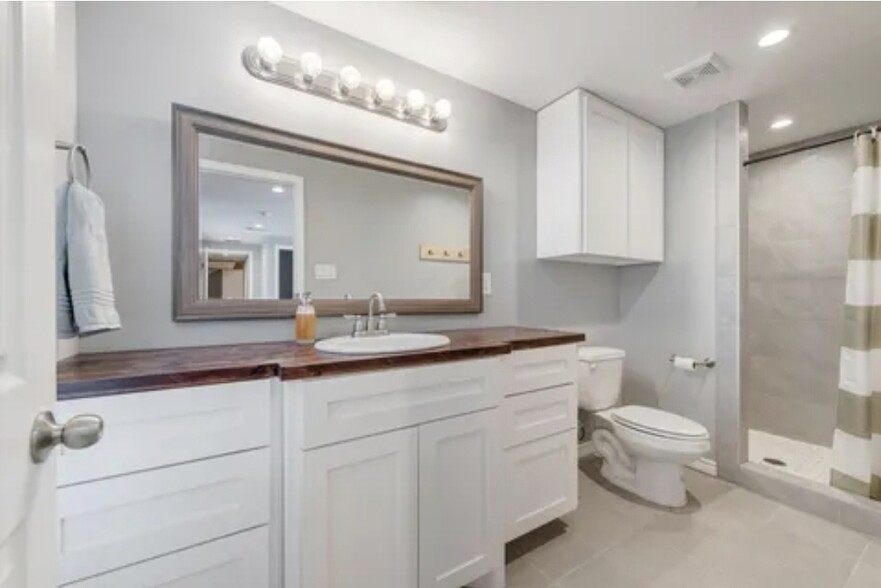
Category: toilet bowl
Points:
column 643, row 449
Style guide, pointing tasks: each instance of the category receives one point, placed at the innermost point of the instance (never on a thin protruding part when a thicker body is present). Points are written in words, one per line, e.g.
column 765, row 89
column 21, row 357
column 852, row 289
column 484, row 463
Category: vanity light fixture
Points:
column 781, row 123
column 384, row 91
column 270, row 52
column 350, row 79
column 310, row 62
column 442, row 109
column 415, row 101
column 267, row 61
column 774, row 37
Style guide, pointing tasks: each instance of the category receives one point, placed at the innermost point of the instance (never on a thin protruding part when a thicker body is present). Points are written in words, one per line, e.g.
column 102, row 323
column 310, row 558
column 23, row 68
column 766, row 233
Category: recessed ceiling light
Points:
column 277, row 189
column 774, row 37
column 256, row 227
column 781, row 123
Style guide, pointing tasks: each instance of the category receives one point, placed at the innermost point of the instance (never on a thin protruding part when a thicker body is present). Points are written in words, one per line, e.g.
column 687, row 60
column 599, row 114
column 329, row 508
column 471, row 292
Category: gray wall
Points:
column 799, row 208
column 675, row 307
column 65, row 112
column 135, row 59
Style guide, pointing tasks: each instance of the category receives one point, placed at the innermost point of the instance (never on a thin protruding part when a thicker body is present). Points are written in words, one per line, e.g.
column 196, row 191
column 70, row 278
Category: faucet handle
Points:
column 359, row 326
column 380, row 321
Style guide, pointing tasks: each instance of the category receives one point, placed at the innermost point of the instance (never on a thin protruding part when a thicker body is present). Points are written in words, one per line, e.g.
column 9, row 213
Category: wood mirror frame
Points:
column 189, row 123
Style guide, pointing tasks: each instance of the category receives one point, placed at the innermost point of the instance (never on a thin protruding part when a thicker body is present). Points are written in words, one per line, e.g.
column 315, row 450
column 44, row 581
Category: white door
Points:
column 605, row 178
column 359, row 513
column 28, row 549
column 27, row 287
column 460, row 536
column 646, row 204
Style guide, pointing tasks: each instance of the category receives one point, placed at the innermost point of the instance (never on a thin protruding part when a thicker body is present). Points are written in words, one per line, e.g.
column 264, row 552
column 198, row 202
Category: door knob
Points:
column 79, row 432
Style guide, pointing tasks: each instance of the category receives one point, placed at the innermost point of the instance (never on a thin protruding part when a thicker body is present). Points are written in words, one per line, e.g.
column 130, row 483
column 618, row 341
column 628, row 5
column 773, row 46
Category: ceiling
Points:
column 824, row 76
column 229, row 204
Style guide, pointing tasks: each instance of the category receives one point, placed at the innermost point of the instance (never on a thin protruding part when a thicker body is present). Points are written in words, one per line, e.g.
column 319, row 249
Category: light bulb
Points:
column 385, row 90
column 442, row 109
column 270, row 51
column 773, row 38
column 350, row 78
column 415, row 100
column 781, row 123
column 311, row 64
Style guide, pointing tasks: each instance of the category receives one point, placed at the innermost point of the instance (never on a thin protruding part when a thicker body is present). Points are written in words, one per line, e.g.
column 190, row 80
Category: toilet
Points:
column 644, row 449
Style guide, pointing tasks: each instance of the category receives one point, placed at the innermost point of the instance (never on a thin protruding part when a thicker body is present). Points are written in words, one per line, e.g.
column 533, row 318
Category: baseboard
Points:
column 706, row 466
column 585, row 449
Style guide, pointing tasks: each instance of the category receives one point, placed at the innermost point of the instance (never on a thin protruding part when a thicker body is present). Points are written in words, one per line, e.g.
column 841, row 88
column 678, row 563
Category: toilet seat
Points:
column 658, row 423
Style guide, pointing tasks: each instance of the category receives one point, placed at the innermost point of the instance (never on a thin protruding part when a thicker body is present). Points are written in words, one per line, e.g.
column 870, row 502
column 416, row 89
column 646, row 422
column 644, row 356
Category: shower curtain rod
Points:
column 812, row 143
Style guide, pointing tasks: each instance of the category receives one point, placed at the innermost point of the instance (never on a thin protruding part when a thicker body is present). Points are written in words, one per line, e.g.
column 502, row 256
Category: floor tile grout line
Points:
column 856, row 564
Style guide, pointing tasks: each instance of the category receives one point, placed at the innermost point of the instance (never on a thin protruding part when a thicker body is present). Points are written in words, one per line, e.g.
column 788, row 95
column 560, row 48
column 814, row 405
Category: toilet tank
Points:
column 599, row 377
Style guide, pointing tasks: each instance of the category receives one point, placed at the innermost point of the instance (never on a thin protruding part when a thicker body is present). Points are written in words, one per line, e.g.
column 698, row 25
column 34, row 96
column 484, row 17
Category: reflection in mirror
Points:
column 250, row 227
column 276, row 222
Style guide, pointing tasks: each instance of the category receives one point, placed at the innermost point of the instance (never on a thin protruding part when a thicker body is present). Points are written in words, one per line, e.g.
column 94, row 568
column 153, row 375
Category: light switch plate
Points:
column 487, row 284
column 325, row 271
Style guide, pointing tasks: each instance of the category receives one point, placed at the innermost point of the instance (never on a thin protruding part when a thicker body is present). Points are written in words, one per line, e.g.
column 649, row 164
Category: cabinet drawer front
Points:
column 337, row 409
column 538, row 414
column 541, row 482
column 237, row 561
column 149, row 430
column 119, row 521
column 533, row 369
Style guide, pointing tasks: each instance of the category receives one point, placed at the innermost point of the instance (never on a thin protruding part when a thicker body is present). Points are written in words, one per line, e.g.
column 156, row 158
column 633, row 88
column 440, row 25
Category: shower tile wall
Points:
column 799, row 212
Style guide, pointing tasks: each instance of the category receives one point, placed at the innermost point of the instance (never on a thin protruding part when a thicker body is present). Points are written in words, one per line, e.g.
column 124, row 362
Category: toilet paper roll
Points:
column 688, row 364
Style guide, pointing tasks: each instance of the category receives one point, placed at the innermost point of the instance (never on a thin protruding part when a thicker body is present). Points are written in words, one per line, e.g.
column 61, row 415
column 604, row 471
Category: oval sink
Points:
column 391, row 343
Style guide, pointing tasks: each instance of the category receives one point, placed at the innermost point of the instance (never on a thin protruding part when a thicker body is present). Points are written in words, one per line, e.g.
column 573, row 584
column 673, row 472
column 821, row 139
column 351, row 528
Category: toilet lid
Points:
column 658, row 422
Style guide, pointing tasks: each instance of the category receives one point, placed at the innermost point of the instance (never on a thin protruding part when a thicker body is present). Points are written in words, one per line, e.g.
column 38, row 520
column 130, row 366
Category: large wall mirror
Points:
column 262, row 214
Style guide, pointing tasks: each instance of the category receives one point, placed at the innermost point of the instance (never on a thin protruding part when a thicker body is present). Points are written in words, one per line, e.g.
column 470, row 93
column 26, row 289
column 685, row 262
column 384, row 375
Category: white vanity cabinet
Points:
column 539, row 420
column 177, row 493
column 410, row 501
column 600, row 183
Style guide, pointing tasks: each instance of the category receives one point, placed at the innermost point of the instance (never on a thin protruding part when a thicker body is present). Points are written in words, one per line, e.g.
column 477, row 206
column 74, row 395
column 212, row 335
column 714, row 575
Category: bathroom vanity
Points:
column 277, row 465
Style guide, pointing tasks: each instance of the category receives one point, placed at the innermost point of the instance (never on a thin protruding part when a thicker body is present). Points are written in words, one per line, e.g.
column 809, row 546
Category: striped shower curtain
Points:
column 856, row 446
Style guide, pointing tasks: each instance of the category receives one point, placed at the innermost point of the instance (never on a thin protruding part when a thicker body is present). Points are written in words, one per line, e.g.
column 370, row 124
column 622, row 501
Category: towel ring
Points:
column 71, row 166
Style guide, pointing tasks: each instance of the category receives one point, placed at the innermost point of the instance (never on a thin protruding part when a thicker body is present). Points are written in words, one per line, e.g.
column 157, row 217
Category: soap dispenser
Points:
column 305, row 321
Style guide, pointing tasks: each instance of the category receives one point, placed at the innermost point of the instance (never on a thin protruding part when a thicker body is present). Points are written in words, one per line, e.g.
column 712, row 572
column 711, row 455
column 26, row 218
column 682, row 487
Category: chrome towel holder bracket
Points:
column 72, row 150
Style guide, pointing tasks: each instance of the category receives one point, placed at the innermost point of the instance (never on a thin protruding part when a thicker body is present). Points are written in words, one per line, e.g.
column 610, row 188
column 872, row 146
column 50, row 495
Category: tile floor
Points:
column 731, row 538
column 802, row 459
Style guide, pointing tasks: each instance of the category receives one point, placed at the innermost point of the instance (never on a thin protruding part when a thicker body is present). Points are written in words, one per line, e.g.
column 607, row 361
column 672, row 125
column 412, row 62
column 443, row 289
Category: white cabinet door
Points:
column 460, row 535
column 237, row 561
column 605, row 178
column 646, row 173
column 541, row 482
column 359, row 524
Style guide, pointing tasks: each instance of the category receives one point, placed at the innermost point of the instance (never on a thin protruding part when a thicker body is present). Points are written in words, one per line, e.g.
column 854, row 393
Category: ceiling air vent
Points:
column 699, row 70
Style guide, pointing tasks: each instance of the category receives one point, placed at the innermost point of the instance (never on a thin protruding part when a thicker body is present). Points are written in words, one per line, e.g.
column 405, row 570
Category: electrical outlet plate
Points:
column 325, row 271
column 438, row 253
column 487, row 284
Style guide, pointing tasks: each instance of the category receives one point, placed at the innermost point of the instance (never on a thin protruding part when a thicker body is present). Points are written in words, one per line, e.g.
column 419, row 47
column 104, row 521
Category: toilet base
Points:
column 657, row 482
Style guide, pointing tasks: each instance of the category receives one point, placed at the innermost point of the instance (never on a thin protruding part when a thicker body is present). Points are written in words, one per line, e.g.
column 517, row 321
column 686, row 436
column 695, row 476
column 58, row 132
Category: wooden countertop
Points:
column 101, row 374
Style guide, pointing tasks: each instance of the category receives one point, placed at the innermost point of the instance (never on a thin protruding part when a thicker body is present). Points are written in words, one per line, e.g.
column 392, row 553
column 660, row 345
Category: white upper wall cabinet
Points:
column 600, row 183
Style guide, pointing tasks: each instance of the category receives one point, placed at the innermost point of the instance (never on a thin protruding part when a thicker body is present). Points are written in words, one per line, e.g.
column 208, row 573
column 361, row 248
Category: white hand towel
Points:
column 89, row 279
column 63, row 308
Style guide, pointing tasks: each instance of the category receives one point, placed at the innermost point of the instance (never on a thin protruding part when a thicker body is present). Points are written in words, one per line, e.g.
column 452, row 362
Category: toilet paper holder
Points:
column 698, row 363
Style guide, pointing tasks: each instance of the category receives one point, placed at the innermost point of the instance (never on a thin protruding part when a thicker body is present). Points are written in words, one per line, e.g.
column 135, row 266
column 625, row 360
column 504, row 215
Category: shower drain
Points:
column 774, row 462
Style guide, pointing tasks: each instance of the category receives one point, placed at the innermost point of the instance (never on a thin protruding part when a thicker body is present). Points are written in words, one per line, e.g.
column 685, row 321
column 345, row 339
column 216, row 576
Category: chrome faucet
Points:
column 376, row 319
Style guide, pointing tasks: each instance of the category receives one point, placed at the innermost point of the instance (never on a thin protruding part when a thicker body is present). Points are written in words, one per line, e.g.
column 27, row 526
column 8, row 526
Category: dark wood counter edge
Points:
column 323, row 364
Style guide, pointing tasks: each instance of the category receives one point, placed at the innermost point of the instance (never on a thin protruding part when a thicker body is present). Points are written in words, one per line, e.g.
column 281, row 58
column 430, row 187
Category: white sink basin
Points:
column 391, row 343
